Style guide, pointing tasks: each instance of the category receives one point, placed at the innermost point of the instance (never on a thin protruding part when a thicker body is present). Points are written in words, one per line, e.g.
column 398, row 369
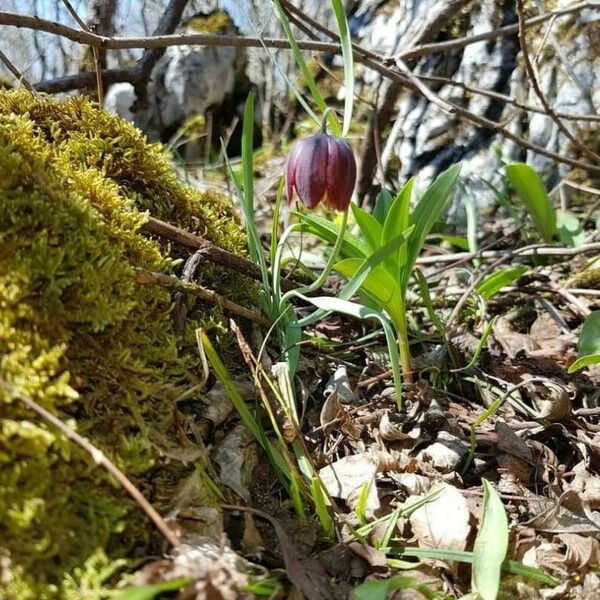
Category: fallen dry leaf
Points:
column 347, row 476
column 444, row 522
column 581, row 551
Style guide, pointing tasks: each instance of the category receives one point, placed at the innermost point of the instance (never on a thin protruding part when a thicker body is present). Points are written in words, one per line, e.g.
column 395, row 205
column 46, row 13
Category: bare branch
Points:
column 508, row 30
column 95, row 51
column 145, row 277
column 19, row 76
column 533, row 78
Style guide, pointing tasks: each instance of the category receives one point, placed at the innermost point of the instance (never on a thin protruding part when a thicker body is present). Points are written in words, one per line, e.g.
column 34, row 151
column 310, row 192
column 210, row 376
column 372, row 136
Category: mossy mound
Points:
column 80, row 337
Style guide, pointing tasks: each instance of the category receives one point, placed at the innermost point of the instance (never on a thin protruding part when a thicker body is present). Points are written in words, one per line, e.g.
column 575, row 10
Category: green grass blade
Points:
column 530, row 188
column 306, row 74
column 321, row 508
column 501, row 278
column 359, row 311
column 508, row 566
column 487, row 331
column 238, row 402
column 348, row 58
column 433, row 317
column 589, row 343
column 246, row 194
column 490, row 546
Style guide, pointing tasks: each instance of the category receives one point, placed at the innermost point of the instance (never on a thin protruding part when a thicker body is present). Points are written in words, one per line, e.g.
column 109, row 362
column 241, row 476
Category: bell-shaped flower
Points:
column 321, row 168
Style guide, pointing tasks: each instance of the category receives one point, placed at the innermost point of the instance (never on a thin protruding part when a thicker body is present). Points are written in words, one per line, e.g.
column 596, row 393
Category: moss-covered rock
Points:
column 82, row 339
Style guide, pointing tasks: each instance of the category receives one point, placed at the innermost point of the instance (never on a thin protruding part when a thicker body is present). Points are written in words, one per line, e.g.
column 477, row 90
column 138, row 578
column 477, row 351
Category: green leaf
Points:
column 359, row 276
column 348, row 58
column 328, row 232
column 382, row 205
column 369, row 226
column 589, row 343
column 569, row 229
column 298, row 56
column 530, row 188
column 358, row 311
column 508, row 566
column 246, row 195
column 379, row 285
column 490, row 546
column 492, row 284
column 426, row 213
column 148, row 592
column 380, row 589
column 321, row 507
column 253, row 424
column 457, row 240
column 396, row 221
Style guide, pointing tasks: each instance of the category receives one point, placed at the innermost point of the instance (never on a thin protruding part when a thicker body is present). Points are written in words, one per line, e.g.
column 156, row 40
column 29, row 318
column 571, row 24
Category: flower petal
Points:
column 290, row 171
column 341, row 173
column 310, row 176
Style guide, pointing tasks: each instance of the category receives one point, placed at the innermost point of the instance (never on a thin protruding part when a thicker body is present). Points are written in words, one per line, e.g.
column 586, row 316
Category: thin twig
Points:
column 533, row 78
column 145, row 277
column 504, row 98
column 19, row 76
column 508, row 30
column 163, row 41
column 95, row 51
column 213, row 252
column 533, row 250
column 98, row 457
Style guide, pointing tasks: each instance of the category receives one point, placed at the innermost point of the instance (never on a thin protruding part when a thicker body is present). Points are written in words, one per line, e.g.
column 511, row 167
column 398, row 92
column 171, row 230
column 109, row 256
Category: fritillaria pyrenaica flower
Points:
column 321, row 168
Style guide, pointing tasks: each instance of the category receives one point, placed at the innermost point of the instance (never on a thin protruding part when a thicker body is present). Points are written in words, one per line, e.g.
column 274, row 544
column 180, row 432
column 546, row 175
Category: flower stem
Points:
column 315, row 285
column 328, row 111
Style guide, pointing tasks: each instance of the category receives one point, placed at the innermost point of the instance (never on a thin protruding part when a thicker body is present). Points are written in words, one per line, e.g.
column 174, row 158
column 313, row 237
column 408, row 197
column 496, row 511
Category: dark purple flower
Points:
column 321, row 168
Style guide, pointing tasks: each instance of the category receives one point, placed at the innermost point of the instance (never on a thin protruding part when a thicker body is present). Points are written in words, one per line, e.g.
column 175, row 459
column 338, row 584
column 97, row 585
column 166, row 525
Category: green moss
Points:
column 81, row 338
column 216, row 22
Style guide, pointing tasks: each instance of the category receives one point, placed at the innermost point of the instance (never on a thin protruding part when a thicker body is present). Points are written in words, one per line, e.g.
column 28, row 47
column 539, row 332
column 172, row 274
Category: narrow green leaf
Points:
column 396, row 221
column 433, row 317
column 306, row 74
column 426, row 213
column 148, row 592
column 492, row 284
column 383, row 202
column 298, row 56
column 569, row 229
column 359, row 311
column 487, row 331
column 328, row 232
column 530, row 188
column 361, row 505
column 369, row 227
column 490, row 546
column 378, row 285
column 380, row 589
column 238, row 402
column 359, row 276
column 508, row 566
column 321, row 508
column 589, row 343
column 348, row 58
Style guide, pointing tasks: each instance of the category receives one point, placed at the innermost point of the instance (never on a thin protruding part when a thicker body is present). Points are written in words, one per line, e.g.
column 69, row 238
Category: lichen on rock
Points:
column 80, row 337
